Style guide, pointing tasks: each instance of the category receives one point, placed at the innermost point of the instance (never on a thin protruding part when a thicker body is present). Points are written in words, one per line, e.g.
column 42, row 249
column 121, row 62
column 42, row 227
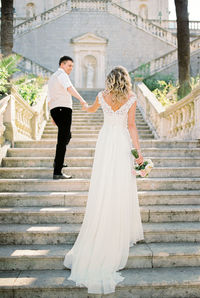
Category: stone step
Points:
column 142, row 135
column 67, row 233
column 142, row 255
column 100, row 115
column 156, row 152
column 81, row 143
column 85, row 172
column 77, row 110
column 88, row 161
column 77, row 131
column 42, row 152
column 45, row 198
column 97, row 117
column 83, row 116
column 45, row 143
column 88, row 127
column 88, row 132
column 179, row 282
column 100, row 122
column 51, row 123
column 147, row 184
column 54, row 136
column 74, row 215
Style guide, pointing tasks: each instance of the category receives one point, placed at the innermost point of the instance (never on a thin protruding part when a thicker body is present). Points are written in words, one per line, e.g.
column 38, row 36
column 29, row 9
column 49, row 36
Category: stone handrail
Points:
column 172, row 24
column 20, row 121
column 96, row 5
column 178, row 121
column 42, row 18
column 26, row 65
column 143, row 24
column 90, row 5
column 162, row 62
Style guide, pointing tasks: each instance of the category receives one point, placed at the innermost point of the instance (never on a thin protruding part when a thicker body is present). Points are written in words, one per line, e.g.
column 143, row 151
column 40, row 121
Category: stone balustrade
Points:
column 180, row 121
column 42, row 18
column 172, row 24
column 20, row 121
column 144, row 24
column 28, row 66
column 158, row 64
column 89, row 5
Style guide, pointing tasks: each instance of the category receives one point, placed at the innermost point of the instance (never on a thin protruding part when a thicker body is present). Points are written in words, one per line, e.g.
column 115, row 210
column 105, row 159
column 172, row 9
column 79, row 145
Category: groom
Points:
column 60, row 92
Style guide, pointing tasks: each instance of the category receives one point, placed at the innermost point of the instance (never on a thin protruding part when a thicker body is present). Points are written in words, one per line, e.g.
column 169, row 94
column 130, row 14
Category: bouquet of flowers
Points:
column 144, row 169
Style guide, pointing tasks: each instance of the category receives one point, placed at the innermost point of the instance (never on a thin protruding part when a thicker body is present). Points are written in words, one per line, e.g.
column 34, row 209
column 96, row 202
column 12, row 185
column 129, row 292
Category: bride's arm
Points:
column 93, row 108
column 133, row 131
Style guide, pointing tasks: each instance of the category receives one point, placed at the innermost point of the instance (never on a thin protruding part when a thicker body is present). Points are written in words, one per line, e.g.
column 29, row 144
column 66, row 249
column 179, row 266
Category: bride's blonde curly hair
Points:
column 118, row 84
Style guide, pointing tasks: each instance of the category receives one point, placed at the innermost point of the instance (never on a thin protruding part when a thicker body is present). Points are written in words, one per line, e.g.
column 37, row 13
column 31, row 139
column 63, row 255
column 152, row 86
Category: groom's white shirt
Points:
column 58, row 96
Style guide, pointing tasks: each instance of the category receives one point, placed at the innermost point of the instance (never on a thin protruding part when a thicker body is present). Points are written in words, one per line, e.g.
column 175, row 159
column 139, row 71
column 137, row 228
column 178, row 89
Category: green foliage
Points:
column 10, row 64
column 141, row 167
column 153, row 82
column 7, row 69
column 195, row 81
column 166, row 93
column 3, row 81
column 143, row 71
column 29, row 87
column 135, row 153
column 166, row 90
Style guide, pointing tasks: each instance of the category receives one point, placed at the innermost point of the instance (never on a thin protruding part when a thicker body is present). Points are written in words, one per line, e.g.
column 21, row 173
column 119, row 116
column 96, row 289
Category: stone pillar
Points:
column 197, row 118
column 9, row 121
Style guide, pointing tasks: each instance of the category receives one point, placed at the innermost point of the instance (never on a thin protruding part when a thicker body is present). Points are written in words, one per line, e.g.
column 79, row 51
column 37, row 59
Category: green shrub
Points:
column 29, row 87
column 3, row 81
column 166, row 90
column 7, row 69
column 195, row 81
column 166, row 93
column 153, row 82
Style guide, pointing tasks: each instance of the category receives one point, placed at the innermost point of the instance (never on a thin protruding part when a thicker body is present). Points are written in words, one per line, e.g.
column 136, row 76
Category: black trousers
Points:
column 62, row 117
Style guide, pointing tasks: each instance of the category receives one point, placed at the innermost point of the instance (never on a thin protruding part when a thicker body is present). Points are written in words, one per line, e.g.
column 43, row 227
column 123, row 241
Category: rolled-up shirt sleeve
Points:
column 64, row 80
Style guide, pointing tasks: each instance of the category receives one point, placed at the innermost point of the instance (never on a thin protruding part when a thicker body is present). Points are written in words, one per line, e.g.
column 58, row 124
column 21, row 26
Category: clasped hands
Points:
column 84, row 105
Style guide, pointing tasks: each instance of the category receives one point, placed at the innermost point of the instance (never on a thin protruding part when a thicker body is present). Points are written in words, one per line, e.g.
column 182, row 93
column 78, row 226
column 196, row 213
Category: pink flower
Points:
column 143, row 173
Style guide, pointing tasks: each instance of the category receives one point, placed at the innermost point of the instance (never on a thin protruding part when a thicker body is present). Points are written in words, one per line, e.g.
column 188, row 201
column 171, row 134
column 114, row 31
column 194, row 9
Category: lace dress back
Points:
column 112, row 221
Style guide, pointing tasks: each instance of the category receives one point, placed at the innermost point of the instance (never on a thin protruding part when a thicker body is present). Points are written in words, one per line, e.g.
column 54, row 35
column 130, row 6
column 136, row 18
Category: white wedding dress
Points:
column 112, row 221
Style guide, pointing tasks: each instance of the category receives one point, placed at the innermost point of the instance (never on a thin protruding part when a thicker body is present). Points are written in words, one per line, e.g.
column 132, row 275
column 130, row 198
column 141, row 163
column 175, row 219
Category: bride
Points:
column 112, row 221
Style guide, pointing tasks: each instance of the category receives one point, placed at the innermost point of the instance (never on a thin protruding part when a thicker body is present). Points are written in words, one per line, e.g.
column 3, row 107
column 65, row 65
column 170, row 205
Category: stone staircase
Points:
column 166, row 61
column 40, row 217
column 109, row 6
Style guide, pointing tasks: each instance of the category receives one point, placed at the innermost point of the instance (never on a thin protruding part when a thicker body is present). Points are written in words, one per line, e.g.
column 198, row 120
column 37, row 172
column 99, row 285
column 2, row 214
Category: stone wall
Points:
column 126, row 44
